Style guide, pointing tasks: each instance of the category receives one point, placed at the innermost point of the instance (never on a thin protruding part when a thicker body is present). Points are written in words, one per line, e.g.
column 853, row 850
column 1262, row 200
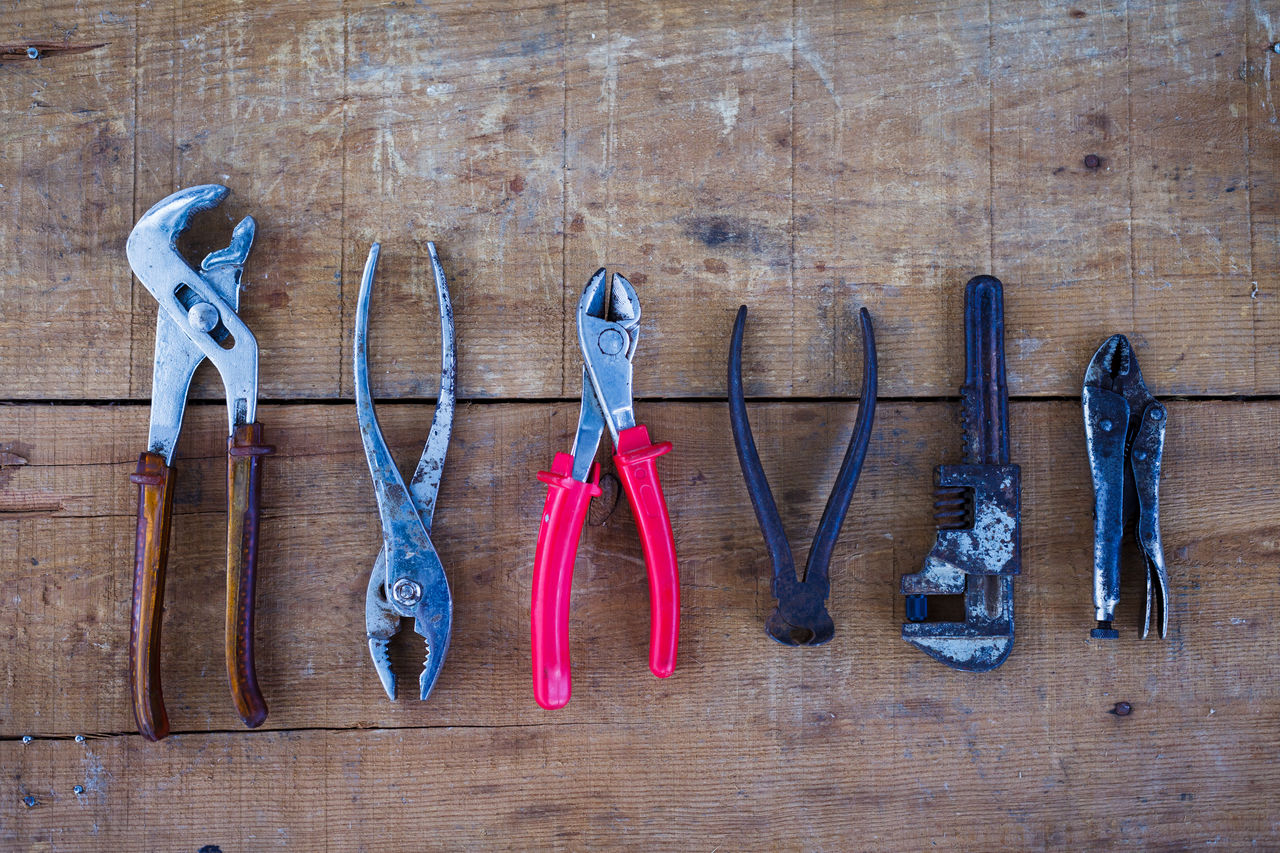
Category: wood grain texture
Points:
column 876, row 740
column 807, row 159
column 1113, row 162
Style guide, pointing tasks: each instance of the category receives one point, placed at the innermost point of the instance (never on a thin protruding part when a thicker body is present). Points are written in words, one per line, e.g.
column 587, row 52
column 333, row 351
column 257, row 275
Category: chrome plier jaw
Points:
column 197, row 319
column 197, row 315
column 408, row 579
column 1124, row 434
column 608, row 332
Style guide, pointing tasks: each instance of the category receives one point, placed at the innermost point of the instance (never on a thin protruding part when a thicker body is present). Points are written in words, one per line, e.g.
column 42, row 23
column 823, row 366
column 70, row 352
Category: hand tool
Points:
column 801, row 618
column 976, row 507
column 608, row 331
column 408, row 580
column 1124, row 432
column 196, row 320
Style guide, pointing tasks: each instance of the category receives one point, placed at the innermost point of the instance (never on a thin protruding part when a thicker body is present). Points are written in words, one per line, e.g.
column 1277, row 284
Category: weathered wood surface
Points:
column 808, row 159
column 861, row 743
column 805, row 158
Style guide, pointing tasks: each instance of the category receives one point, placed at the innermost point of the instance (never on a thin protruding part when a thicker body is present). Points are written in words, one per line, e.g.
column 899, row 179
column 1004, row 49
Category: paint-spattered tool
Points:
column 801, row 617
column 408, row 579
column 1124, row 431
column 977, row 551
column 608, row 332
column 197, row 319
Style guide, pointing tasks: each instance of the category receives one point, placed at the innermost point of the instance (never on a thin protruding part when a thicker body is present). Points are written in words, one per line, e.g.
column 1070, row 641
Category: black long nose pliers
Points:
column 801, row 617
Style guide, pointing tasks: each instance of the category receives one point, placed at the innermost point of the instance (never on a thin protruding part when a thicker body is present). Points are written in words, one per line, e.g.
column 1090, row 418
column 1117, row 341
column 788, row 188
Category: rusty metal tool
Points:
column 408, row 579
column 800, row 617
column 1124, row 433
column 977, row 551
column 608, row 333
column 197, row 319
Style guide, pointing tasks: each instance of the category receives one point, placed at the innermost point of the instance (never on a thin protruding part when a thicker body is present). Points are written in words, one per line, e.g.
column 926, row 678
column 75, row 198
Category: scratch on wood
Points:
column 41, row 49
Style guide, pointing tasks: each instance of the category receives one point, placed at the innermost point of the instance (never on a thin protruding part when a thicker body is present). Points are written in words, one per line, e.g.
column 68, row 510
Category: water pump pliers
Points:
column 197, row 319
column 608, row 331
column 801, row 617
column 408, row 580
column 1124, row 433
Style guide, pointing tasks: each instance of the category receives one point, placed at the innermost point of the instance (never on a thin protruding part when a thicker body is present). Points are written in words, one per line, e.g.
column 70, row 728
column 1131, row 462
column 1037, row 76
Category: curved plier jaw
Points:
column 408, row 579
column 1124, row 433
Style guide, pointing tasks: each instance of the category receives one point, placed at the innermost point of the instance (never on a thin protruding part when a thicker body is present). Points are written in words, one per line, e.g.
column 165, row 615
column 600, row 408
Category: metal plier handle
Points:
column 1124, row 433
column 197, row 319
column 408, row 579
column 608, row 331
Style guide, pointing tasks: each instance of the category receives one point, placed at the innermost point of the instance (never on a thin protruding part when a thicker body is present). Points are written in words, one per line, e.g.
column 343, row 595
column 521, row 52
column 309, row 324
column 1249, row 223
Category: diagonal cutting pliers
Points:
column 1124, row 432
column 408, row 580
column 608, row 331
column 197, row 319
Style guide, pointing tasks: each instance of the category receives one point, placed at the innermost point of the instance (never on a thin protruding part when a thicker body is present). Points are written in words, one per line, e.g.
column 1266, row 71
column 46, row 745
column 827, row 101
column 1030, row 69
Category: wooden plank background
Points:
column 806, row 158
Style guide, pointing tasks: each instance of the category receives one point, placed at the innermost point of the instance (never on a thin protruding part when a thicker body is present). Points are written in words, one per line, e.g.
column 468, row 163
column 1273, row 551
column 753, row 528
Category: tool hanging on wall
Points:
column 608, row 332
column 800, row 617
column 197, row 319
column 977, row 552
column 408, row 579
column 1124, row 433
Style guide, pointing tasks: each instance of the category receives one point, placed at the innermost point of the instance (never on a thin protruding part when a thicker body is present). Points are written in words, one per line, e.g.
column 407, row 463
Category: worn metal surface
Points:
column 408, row 579
column 801, row 617
column 197, row 315
column 977, row 551
column 608, row 334
column 1124, row 430
column 197, row 319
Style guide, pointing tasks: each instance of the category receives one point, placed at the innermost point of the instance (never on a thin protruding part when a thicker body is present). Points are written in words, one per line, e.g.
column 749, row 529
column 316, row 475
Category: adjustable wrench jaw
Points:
column 197, row 316
column 977, row 553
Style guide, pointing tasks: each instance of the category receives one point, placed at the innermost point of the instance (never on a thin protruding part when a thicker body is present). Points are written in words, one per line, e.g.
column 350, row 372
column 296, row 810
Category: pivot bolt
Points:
column 406, row 592
column 611, row 342
column 203, row 317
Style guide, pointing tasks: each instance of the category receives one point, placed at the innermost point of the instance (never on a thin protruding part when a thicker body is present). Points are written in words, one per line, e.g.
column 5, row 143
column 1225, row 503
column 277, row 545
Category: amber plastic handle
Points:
column 155, row 508
column 244, row 490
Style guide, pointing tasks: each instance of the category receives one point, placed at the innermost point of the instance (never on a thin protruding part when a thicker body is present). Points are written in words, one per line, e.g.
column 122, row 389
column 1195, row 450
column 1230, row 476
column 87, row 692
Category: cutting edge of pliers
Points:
column 408, row 579
column 801, row 617
column 1124, row 436
column 608, row 333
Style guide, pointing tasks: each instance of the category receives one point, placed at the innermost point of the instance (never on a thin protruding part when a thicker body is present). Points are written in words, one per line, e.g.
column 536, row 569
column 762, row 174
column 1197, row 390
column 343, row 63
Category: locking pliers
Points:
column 1124, row 431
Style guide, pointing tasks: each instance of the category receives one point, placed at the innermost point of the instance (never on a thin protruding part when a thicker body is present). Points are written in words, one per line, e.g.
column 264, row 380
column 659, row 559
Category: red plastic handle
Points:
column 562, row 519
column 636, row 461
